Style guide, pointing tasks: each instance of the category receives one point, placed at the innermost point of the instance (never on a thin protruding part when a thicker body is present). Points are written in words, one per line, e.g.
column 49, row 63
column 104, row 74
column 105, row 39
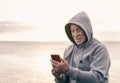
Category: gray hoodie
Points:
column 89, row 62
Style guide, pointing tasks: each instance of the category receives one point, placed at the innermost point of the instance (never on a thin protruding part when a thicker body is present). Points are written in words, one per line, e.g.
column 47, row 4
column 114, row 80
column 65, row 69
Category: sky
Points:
column 44, row 20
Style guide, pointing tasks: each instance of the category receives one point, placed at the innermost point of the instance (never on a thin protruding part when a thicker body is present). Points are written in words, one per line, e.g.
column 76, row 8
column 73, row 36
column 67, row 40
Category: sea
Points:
column 29, row 61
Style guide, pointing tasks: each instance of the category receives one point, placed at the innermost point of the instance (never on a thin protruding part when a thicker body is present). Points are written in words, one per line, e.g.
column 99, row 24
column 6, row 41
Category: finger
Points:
column 54, row 63
column 62, row 59
column 53, row 71
column 54, row 67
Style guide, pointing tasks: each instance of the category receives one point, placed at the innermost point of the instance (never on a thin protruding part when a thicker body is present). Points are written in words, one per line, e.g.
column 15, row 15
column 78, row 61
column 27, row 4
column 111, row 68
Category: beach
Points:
column 29, row 62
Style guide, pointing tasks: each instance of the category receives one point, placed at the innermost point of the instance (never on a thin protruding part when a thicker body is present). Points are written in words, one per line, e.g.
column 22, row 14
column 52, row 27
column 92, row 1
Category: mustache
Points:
column 79, row 37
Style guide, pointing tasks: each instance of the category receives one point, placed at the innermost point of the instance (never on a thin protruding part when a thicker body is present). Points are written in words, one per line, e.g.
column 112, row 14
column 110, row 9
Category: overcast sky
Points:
column 44, row 20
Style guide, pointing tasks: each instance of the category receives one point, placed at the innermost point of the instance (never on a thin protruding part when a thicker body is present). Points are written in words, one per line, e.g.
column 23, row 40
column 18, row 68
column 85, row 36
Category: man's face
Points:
column 77, row 34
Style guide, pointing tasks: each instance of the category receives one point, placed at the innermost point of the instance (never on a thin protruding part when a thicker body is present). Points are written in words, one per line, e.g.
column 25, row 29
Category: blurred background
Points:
column 31, row 30
column 47, row 18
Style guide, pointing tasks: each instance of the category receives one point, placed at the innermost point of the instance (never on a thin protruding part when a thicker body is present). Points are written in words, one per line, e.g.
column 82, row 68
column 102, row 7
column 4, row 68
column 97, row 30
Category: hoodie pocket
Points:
column 84, row 64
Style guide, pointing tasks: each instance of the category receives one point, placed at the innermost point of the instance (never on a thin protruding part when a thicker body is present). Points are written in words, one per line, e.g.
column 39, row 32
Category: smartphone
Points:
column 55, row 57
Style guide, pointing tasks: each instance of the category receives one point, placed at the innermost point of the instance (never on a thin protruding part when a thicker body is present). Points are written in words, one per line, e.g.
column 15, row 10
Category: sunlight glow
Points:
column 49, row 17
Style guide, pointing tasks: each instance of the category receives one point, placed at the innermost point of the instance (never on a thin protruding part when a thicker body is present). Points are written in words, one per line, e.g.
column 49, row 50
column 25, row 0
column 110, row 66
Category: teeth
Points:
column 78, row 39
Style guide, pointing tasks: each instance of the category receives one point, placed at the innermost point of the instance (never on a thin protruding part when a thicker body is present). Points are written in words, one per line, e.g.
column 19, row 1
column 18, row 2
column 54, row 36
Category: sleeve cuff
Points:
column 71, row 72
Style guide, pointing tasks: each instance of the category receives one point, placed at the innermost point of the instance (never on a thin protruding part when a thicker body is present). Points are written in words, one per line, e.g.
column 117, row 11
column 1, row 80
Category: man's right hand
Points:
column 59, row 76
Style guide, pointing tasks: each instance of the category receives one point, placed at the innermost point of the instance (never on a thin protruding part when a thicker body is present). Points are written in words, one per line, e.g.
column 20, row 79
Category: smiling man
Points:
column 87, row 60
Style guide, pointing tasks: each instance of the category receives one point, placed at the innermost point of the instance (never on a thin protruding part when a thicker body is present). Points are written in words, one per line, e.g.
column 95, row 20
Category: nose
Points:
column 75, row 34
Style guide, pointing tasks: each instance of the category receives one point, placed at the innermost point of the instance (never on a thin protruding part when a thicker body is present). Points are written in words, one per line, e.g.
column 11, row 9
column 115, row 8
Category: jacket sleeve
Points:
column 98, row 68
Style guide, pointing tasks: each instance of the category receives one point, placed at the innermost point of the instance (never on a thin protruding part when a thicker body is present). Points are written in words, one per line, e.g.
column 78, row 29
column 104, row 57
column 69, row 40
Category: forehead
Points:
column 74, row 26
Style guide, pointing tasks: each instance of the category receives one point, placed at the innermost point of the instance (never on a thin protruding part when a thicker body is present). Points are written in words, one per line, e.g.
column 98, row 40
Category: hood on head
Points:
column 81, row 19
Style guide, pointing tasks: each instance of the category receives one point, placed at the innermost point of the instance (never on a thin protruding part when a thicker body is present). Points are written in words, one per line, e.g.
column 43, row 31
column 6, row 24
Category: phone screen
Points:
column 55, row 57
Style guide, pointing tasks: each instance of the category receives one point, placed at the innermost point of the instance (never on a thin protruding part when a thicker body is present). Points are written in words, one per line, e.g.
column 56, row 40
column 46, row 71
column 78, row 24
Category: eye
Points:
column 79, row 30
column 72, row 31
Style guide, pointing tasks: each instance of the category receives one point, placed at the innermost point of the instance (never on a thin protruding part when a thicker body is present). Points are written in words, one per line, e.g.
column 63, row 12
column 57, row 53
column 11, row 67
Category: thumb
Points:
column 62, row 59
